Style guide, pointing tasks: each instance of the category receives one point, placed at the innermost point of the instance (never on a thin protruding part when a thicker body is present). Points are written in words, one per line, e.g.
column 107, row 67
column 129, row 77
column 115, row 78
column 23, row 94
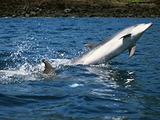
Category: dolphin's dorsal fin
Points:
column 91, row 46
column 131, row 51
column 48, row 69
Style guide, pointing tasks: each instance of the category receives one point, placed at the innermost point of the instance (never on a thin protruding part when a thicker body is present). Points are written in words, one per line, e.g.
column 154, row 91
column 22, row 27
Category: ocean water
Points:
column 119, row 89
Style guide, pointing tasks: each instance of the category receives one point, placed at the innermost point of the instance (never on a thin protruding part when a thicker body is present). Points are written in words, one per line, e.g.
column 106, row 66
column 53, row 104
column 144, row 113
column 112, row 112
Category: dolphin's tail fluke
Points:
column 48, row 69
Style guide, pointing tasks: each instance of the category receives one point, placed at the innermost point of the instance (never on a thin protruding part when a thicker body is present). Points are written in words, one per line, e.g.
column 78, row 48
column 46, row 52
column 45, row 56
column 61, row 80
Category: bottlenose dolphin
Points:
column 48, row 70
column 113, row 46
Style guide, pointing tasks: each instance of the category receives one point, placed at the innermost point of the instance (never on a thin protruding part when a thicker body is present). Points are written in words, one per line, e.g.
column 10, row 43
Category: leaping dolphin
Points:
column 113, row 46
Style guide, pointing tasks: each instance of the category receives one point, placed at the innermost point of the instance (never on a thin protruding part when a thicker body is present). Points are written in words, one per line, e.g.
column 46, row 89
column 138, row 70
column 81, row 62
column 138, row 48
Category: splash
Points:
column 18, row 75
column 59, row 62
column 29, row 72
column 25, row 62
column 18, row 68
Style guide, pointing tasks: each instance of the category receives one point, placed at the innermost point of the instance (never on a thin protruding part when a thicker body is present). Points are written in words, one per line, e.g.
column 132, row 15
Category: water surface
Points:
column 118, row 89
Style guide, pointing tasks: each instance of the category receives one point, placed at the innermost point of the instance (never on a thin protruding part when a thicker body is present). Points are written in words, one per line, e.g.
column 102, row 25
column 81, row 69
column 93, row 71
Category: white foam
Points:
column 59, row 62
column 75, row 85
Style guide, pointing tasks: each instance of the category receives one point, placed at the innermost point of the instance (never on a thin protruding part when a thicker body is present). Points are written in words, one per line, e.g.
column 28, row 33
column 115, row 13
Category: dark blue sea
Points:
column 119, row 89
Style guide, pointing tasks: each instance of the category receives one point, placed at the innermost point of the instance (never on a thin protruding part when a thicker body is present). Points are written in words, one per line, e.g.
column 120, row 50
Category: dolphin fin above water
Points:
column 131, row 51
column 48, row 69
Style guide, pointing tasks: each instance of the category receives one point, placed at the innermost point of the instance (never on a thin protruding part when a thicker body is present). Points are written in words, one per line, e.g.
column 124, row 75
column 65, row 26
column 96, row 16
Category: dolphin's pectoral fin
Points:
column 131, row 51
column 126, row 36
column 91, row 46
column 48, row 69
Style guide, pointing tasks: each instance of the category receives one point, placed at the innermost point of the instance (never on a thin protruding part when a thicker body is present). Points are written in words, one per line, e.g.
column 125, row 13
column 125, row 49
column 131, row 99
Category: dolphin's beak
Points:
column 141, row 28
column 147, row 25
column 144, row 27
